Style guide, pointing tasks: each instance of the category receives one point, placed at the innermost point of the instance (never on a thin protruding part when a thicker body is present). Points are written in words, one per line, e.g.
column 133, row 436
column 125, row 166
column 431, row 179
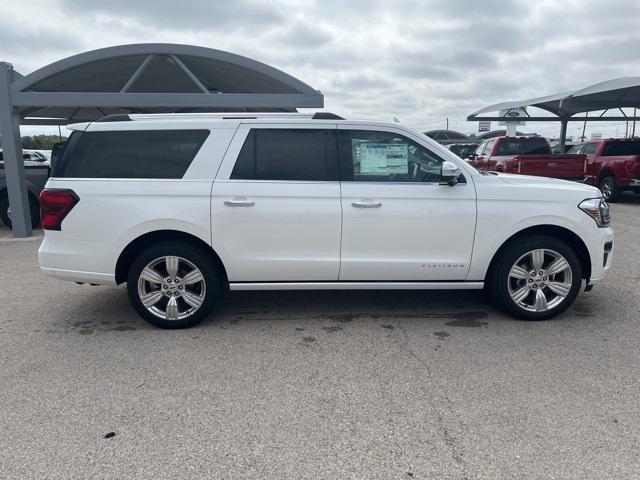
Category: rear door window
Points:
column 296, row 154
column 130, row 154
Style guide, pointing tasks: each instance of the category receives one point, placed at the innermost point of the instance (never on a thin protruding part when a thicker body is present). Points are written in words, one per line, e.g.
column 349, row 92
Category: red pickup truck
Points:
column 613, row 165
column 527, row 156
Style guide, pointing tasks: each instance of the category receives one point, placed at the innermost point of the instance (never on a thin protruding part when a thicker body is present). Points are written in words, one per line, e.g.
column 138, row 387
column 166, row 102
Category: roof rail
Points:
column 124, row 117
column 116, row 117
column 326, row 116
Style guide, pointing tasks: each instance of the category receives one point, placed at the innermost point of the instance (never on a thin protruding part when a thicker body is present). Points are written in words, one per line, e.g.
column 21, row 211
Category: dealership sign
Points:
column 484, row 126
column 515, row 116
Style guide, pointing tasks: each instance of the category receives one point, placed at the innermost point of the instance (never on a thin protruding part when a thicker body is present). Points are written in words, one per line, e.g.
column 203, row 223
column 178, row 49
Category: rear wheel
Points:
column 173, row 285
column 608, row 188
column 536, row 278
column 34, row 211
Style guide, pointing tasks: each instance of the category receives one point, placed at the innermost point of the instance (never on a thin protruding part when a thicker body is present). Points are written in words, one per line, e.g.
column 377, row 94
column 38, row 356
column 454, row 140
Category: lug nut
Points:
column 540, row 272
column 165, row 287
column 531, row 280
column 544, row 278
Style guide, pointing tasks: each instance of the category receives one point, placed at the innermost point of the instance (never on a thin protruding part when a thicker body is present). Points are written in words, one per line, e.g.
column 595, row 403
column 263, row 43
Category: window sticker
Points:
column 382, row 158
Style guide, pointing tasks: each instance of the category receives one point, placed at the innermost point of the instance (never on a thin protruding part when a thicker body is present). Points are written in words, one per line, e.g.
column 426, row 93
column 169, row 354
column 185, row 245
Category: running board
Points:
column 356, row 285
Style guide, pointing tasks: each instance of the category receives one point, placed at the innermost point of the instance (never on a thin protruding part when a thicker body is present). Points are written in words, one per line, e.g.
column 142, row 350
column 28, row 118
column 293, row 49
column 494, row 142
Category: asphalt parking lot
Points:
column 319, row 385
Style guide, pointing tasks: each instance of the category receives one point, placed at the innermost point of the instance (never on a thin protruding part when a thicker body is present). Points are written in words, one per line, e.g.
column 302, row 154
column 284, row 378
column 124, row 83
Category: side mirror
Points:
column 449, row 174
column 472, row 156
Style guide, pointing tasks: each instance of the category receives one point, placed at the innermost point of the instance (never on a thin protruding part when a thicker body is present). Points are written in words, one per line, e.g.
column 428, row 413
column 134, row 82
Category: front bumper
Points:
column 601, row 253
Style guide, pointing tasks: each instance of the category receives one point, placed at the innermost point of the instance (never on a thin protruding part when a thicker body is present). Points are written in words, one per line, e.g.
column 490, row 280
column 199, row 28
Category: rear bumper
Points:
column 76, row 261
column 80, row 277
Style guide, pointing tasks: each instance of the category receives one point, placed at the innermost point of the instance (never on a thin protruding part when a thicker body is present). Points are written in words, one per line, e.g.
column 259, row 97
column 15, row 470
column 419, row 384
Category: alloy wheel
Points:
column 607, row 187
column 540, row 280
column 171, row 288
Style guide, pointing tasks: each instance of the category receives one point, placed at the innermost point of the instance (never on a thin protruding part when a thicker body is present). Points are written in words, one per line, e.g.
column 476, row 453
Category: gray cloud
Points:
column 183, row 15
column 418, row 60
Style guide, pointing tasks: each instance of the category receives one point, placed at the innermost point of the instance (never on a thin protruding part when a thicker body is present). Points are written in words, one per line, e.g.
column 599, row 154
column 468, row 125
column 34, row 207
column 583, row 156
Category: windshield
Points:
column 575, row 149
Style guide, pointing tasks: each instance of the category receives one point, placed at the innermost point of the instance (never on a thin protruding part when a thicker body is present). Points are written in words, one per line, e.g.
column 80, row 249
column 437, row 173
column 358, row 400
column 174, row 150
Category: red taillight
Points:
column 54, row 206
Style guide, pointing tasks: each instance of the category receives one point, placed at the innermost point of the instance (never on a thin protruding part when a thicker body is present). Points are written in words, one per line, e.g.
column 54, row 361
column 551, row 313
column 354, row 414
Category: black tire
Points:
column 34, row 207
column 499, row 281
column 610, row 191
column 193, row 254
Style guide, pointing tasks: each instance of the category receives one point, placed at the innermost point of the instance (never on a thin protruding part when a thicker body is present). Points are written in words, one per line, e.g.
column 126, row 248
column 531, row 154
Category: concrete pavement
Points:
column 376, row 385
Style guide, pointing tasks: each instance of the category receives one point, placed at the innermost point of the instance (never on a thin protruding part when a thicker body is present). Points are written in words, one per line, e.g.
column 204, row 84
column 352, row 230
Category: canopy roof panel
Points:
column 611, row 94
column 155, row 78
column 447, row 135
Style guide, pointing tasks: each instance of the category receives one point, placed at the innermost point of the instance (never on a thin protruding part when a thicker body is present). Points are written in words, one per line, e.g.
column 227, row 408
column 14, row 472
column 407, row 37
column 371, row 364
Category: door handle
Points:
column 366, row 204
column 239, row 202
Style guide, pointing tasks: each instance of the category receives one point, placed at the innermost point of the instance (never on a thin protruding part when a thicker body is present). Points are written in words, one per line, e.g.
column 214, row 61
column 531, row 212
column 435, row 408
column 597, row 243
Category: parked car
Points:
column 180, row 206
column 527, row 156
column 31, row 158
column 613, row 165
column 36, row 174
column 463, row 150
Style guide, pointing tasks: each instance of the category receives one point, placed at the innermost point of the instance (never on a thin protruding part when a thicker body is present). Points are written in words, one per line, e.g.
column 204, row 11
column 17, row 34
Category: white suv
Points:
column 182, row 206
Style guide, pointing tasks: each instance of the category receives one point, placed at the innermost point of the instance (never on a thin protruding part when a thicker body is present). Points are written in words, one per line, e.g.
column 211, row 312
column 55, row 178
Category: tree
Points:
column 40, row 142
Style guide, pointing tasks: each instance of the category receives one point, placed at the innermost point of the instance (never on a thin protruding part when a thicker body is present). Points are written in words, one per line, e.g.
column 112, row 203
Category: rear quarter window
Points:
column 130, row 154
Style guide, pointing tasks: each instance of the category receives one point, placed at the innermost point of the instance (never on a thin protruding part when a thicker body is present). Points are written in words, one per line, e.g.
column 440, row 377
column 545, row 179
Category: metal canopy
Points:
column 447, row 136
column 142, row 78
column 155, row 78
column 612, row 94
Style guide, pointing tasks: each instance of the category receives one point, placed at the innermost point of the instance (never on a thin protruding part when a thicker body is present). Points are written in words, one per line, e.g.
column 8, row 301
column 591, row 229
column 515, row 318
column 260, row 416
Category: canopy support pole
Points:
column 563, row 133
column 12, row 154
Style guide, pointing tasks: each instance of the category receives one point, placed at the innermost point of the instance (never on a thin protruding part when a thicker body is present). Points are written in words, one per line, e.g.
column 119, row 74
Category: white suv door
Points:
column 399, row 223
column 275, row 207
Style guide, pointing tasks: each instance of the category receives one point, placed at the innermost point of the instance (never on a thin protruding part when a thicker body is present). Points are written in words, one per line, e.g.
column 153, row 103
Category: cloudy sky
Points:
column 419, row 61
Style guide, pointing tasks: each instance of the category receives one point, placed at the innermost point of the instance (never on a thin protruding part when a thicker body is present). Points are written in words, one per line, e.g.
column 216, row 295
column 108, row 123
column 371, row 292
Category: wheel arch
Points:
column 606, row 172
column 555, row 231
column 139, row 244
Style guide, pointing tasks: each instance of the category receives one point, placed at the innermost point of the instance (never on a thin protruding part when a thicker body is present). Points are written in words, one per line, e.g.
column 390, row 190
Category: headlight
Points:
column 597, row 209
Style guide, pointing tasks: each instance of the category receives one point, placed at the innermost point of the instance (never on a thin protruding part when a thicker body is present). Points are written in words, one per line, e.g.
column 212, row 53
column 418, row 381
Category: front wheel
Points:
column 536, row 278
column 173, row 285
column 609, row 189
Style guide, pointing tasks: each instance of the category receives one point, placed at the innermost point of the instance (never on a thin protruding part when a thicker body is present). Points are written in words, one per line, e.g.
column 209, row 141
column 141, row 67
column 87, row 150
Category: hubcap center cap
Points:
column 172, row 288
